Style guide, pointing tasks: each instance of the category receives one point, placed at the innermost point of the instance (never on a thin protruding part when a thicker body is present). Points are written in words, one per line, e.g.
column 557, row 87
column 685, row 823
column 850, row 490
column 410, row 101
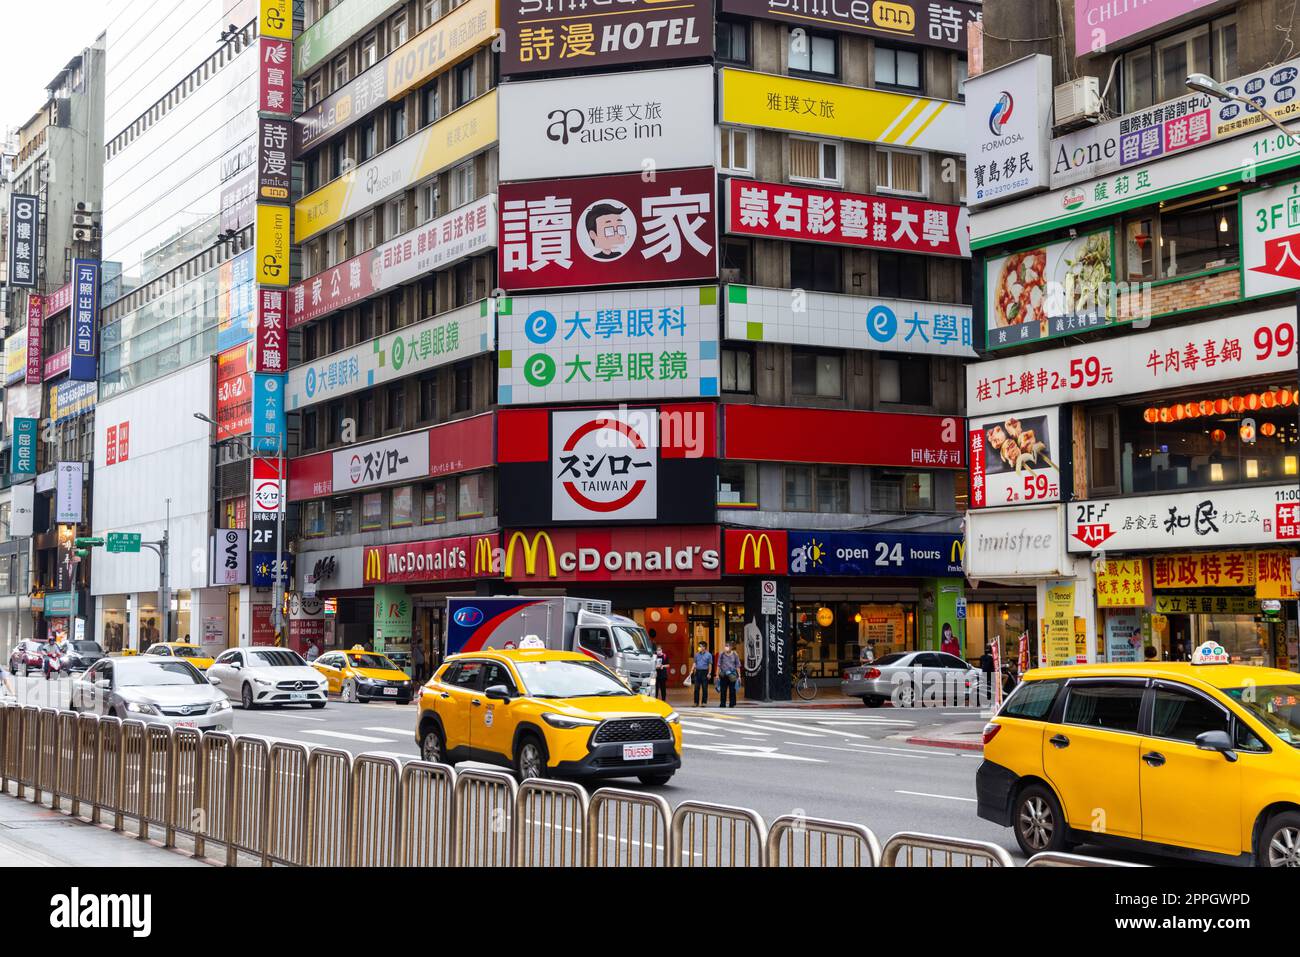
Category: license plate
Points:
column 392, row 691
column 297, row 696
column 187, row 724
column 638, row 752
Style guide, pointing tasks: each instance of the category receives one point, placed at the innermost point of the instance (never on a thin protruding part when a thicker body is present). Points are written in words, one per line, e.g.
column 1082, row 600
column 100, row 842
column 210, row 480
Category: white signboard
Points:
column 1009, row 125
column 1015, row 543
column 379, row 463
column 1174, row 126
column 757, row 314
column 1123, row 635
column 576, row 126
column 229, row 556
column 1261, row 343
column 1270, row 240
column 605, row 465
column 616, row 344
column 1216, row 517
column 21, row 506
column 1014, row 458
column 440, row 341
column 68, row 496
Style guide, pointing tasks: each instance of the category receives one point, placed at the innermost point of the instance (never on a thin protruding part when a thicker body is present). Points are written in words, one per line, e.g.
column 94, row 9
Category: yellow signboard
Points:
column 456, row 136
column 844, row 112
column 448, row 41
column 271, row 240
column 1122, row 584
column 1058, row 624
column 1228, row 569
column 275, row 19
column 1273, row 575
column 16, row 355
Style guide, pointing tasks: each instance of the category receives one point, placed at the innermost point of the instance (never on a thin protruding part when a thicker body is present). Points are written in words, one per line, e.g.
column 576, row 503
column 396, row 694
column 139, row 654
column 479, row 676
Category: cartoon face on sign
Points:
column 604, row 465
column 607, row 230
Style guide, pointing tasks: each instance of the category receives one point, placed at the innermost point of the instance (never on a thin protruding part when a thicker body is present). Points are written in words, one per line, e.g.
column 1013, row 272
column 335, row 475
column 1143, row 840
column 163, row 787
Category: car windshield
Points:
column 1277, row 706
column 136, row 674
column 183, row 651
column 371, row 661
column 275, row 658
column 86, row 647
column 632, row 639
column 569, row 679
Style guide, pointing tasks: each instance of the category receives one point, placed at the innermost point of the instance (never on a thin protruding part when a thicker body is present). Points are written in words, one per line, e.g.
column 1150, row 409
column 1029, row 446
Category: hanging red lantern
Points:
column 1252, row 401
column 1268, row 400
column 1220, row 406
column 1150, row 415
column 1164, row 415
column 1237, row 404
column 1284, row 397
column 1179, row 413
column 1207, row 407
column 1218, row 435
column 1268, row 429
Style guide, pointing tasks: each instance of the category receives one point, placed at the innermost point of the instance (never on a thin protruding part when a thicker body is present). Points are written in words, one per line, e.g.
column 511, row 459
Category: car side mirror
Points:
column 213, row 680
column 498, row 693
column 1217, row 741
column 236, row 665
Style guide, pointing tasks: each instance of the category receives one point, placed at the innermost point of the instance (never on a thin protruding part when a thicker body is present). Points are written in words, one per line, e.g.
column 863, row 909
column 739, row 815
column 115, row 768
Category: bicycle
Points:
column 803, row 684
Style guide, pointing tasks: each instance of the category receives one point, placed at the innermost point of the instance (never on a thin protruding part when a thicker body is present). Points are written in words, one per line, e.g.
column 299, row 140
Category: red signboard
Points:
column 56, row 364
column 608, row 230
column 35, row 322
column 768, row 433
column 270, row 355
column 58, row 301
column 751, row 551
column 636, row 554
column 275, row 76
column 263, row 629
column 110, row 445
column 460, row 446
column 123, row 441
column 440, row 559
column 814, row 215
column 235, row 390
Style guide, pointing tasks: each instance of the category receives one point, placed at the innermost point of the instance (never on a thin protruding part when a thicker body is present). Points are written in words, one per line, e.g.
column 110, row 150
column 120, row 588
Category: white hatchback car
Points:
column 257, row 676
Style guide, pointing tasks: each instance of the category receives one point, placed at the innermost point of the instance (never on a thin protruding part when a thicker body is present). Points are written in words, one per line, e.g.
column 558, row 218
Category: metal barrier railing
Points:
column 483, row 829
column 550, row 821
column 627, row 829
column 291, row 805
column 796, row 841
column 716, row 835
column 951, row 849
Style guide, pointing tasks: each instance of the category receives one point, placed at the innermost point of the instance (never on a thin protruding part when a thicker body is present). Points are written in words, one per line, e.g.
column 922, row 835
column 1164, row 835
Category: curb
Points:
column 942, row 743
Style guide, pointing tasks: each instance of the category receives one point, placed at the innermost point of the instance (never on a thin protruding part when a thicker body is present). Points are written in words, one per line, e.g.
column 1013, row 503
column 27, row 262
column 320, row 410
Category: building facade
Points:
column 1133, row 428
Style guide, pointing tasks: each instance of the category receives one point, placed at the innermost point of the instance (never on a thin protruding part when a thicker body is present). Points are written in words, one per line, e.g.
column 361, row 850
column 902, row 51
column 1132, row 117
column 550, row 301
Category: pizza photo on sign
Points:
column 1020, row 293
column 604, row 464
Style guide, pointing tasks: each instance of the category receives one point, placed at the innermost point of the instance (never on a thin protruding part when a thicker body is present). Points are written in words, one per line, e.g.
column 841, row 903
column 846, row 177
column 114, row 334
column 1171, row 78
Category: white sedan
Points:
column 267, row 676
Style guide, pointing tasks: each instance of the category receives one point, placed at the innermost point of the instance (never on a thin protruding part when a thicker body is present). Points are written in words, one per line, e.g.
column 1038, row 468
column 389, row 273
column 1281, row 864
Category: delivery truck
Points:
column 563, row 624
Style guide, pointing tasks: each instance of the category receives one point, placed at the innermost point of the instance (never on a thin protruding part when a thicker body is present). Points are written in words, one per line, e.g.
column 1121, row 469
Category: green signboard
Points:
column 123, row 541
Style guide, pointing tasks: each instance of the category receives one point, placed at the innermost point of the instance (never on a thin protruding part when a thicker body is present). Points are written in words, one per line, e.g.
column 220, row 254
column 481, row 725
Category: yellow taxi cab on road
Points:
column 181, row 649
column 1197, row 760
column 360, row 675
column 546, row 713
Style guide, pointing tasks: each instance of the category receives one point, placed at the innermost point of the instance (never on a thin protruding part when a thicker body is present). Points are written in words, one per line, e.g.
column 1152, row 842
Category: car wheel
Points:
column 654, row 780
column 530, row 762
column 318, row 705
column 349, row 692
column 872, row 701
column 904, row 696
column 246, row 698
column 1279, row 844
column 1038, row 821
column 432, row 747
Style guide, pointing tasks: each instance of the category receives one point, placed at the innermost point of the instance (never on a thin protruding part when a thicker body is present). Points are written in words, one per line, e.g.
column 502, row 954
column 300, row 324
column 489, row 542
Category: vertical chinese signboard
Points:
column 24, row 230
column 85, row 311
column 270, row 355
column 35, row 358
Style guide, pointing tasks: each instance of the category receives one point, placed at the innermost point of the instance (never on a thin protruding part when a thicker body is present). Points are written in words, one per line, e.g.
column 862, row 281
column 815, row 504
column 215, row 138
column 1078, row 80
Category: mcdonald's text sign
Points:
column 440, row 559
column 639, row 554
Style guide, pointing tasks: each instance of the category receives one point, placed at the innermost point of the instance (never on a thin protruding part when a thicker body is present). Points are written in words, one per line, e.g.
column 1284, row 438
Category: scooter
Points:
column 52, row 664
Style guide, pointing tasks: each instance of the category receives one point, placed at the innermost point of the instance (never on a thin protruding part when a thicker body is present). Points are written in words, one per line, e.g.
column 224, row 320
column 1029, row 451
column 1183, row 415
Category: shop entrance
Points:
column 703, row 629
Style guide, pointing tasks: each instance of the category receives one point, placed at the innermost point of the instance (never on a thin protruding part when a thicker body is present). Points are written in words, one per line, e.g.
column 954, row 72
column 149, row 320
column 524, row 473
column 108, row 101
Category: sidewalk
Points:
column 963, row 735
column 31, row 835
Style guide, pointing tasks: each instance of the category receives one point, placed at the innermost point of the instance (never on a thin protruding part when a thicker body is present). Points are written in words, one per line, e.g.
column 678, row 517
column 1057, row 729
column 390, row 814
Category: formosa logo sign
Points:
column 622, row 554
column 604, row 464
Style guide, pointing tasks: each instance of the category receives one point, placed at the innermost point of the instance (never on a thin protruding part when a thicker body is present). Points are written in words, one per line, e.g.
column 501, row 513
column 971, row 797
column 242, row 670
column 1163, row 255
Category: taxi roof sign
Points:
column 1211, row 653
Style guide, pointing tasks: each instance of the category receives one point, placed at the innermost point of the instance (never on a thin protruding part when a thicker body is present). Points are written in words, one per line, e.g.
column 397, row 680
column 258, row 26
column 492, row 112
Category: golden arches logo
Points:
column 530, row 554
column 374, row 565
column 958, row 551
column 483, row 556
column 754, row 545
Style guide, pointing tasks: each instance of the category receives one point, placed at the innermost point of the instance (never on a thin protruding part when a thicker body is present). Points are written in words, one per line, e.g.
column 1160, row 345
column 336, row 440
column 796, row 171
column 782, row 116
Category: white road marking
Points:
column 714, row 724
column 945, row 797
column 860, row 749
column 405, row 731
column 707, row 734
column 832, row 730
column 795, row 729
column 751, row 751
column 928, row 753
column 302, row 717
column 366, row 739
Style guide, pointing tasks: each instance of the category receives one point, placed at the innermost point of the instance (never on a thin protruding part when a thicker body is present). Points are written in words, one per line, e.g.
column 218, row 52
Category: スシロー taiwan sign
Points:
column 555, row 35
column 616, row 344
column 608, row 230
column 604, row 465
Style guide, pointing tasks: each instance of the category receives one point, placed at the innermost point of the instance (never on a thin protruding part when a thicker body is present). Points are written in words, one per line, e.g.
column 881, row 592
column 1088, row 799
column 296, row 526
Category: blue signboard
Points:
column 263, row 565
column 853, row 554
column 236, row 327
column 24, row 454
column 268, row 412
column 85, row 312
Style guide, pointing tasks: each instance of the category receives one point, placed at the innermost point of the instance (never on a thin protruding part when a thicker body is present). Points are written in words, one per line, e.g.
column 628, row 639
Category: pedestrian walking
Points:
column 417, row 661
column 313, row 650
column 728, row 675
column 986, row 666
column 868, row 653
column 700, row 676
column 661, row 673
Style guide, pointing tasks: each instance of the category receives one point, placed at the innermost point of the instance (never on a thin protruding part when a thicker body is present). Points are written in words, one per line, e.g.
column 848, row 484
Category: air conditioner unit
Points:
column 82, row 234
column 1077, row 103
column 82, row 219
column 85, row 207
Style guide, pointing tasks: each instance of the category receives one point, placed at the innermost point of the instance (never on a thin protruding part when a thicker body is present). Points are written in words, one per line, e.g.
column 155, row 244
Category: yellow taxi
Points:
column 1197, row 760
column 360, row 675
column 181, row 649
column 546, row 713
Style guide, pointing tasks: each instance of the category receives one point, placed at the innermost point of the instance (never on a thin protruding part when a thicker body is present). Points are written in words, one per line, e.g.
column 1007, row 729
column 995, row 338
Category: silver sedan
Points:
column 155, row 690
column 914, row 679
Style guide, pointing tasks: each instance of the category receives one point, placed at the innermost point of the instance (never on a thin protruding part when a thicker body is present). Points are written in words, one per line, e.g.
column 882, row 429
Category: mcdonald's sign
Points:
column 530, row 548
column 750, row 552
column 440, row 559
column 620, row 553
column 373, row 564
column 483, row 564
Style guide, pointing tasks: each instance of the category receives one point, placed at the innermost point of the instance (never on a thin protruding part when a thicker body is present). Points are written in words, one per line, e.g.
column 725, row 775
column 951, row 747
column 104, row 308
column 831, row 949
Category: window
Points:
column 428, row 398
column 429, row 104
column 468, row 674
column 815, row 267
column 340, row 72
column 819, row 488
column 434, row 509
column 817, row 374
column 396, row 124
column 737, row 485
column 1103, row 440
column 902, row 276
column 1032, row 701
column 339, row 156
column 497, row 674
column 738, row 371
column 366, row 238
column 395, row 217
column 428, row 12
column 903, row 379
column 896, row 67
column 395, row 407
column 337, row 412
column 310, row 430
column 1178, row 240
column 900, row 171
column 798, row 484
column 372, row 511
column 732, row 41
column 469, row 495
column 368, row 418
column 397, row 32
column 1111, row 707
column 464, row 83
column 896, row 492
column 462, row 184
column 735, row 260
column 963, row 74
column 314, row 89
column 1182, row 715
column 463, row 387
column 369, row 52
column 832, row 488
column 428, row 202
column 367, row 141
column 733, row 150
column 313, row 519
column 402, row 514
column 341, row 508
column 814, row 160
column 811, row 52
column 1157, row 71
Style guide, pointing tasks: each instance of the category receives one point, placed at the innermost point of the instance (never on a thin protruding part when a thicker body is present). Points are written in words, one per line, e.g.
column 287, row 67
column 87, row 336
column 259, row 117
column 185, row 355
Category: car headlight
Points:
column 674, row 718
column 568, row 722
column 264, row 684
column 222, row 705
column 138, row 708
column 322, row 686
column 363, row 680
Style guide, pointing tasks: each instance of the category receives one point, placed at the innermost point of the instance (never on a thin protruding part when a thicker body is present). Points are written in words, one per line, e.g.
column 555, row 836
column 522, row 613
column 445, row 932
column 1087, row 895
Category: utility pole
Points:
column 277, row 612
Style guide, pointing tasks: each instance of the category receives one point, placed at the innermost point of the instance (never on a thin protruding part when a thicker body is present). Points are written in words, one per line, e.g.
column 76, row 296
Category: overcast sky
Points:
column 37, row 39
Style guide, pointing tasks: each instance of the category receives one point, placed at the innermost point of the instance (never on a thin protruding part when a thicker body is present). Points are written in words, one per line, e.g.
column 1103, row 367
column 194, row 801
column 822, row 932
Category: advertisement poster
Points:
column 1058, row 624
column 1123, row 584
column 1124, row 636
column 35, row 357
column 1052, row 290
column 769, row 648
column 1014, row 459
column 608, row 230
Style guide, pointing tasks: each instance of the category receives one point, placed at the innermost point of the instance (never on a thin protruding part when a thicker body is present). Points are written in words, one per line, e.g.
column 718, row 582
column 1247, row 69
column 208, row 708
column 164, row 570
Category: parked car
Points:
column 154, row 689
column 267, row 676
column 181, row 649
column 911, row 677
column 359, row 675
column 82, row 654
column 26, row 657
column 1196, row 760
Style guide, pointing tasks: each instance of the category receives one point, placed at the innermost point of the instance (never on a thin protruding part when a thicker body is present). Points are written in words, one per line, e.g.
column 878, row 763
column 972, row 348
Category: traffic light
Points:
column 84, row 545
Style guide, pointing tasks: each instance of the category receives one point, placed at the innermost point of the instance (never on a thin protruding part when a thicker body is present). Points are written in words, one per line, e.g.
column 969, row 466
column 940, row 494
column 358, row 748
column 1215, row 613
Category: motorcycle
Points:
column 53, row 663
